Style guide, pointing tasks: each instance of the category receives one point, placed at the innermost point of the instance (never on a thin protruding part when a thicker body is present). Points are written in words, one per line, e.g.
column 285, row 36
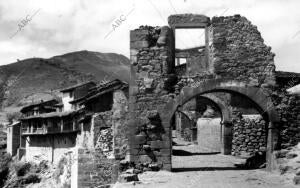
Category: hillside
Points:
column 37, row 78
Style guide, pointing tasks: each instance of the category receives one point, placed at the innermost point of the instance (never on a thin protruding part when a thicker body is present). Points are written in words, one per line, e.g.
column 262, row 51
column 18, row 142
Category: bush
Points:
column 5, row 159
column 22, row 168
column 60, row 167
column 30, row 178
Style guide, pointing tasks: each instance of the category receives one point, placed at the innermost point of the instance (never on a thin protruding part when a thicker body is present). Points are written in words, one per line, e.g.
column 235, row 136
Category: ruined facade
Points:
column 233, row 64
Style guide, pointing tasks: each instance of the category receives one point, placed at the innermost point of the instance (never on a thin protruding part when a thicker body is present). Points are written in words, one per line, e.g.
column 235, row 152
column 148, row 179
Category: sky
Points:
column 45, row 28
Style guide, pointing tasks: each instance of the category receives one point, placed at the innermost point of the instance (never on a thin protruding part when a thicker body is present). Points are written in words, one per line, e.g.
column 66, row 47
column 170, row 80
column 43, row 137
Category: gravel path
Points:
column 193, row 169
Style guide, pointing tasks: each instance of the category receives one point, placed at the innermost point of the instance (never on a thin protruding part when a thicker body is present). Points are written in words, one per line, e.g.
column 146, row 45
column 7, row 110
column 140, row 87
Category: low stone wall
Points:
column 249, row 135
column 288, row 107
column 95, row 170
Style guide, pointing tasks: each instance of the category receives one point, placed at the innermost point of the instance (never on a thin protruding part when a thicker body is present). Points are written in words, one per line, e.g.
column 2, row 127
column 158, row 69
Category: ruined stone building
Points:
column 230, row 75
column 224, row 95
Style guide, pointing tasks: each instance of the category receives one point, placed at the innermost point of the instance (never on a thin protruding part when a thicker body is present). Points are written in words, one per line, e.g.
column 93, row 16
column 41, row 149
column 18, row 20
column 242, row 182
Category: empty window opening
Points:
column 180, row 61
column 189, row 38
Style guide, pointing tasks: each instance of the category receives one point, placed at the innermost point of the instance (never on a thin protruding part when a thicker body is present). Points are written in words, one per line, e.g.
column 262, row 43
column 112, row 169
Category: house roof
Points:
column 102, row 89
column 78, row 85
column 41, row 103
column 105, row 88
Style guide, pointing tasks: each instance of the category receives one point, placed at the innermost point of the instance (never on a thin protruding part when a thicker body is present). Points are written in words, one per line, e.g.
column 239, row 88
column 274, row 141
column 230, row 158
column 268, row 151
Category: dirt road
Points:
column 197, row 170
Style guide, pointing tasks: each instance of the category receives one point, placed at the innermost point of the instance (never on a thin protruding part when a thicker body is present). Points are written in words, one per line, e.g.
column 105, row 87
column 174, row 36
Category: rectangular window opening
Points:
column 189, row 38
column 180, row 61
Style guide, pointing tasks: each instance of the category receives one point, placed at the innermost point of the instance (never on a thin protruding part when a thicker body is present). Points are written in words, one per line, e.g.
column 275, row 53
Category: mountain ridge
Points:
column 32, row 79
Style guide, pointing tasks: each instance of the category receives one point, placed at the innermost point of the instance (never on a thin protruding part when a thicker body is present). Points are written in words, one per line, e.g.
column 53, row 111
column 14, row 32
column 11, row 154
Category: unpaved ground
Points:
column 192, row 169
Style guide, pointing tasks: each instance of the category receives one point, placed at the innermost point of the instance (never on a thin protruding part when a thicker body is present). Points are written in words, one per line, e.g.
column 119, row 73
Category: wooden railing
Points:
column 70, row 127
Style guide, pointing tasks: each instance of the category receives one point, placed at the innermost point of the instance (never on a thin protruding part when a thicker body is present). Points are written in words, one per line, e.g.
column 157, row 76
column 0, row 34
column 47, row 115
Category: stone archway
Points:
column 226, row 118
column 255, row 94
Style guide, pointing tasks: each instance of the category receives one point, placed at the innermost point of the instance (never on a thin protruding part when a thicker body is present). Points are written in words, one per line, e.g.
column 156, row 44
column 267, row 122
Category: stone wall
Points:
column 209, row 135
column 48, row 147
column 288, row 107
column 249, row 135
column 119, row 121
column 96, row 164
column 237, row 51
column 196, row 61
column 13, row 138
column 95, row 169
column 152, row 60
column 98, row 161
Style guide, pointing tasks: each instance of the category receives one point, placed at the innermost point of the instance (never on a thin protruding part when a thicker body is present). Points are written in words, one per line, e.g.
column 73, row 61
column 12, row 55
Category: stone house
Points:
column 49, row 128
column 83, row 123
column 73, row 93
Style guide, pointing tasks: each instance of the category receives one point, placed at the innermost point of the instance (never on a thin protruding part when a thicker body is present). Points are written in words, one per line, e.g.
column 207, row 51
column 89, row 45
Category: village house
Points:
column 50, row 128
column 73, row 93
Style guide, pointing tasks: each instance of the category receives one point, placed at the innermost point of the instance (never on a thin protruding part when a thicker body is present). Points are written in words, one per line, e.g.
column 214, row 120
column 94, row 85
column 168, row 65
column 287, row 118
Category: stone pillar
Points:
column 152, row 64
column 272, row 144
column 194, row 135
column 226, row 138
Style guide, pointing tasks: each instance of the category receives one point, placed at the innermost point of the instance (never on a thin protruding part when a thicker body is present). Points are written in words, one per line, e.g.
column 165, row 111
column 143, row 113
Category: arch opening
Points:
column 252, row 94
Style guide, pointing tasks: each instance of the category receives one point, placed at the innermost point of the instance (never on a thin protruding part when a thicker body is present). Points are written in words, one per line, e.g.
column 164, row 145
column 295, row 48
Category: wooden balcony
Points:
column 50, row 123
column 50, row 130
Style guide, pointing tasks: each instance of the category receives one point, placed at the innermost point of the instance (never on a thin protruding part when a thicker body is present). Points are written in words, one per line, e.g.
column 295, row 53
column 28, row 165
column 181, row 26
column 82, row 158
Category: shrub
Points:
column 5, row 159
column 22, row 168
column 60, row 167
column 30, row 178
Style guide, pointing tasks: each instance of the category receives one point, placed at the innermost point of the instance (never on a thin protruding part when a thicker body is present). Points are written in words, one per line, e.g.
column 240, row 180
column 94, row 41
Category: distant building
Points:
column 74, row 93
column 49, row 129
column 100, row 98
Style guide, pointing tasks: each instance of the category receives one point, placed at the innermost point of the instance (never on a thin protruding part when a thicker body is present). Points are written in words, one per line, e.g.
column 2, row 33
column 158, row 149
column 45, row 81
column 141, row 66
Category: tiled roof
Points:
column 102, row 89
column 50, row 115
column 77, row 85
column 41, row 103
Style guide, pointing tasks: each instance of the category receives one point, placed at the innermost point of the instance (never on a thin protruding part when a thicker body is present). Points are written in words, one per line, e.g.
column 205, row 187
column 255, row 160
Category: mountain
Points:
column 37, row 78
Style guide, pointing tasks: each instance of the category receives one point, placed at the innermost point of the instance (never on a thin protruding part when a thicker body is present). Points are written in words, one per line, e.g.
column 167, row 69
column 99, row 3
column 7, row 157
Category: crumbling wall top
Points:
column 188, row 21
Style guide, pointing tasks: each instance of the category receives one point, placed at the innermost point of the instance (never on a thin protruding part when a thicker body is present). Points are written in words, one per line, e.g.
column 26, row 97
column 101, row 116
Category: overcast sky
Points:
column 61, row 26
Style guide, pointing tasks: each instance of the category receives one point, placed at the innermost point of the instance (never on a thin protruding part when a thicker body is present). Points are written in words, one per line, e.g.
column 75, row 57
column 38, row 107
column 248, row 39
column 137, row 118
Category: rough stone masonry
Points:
column 234, row 51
